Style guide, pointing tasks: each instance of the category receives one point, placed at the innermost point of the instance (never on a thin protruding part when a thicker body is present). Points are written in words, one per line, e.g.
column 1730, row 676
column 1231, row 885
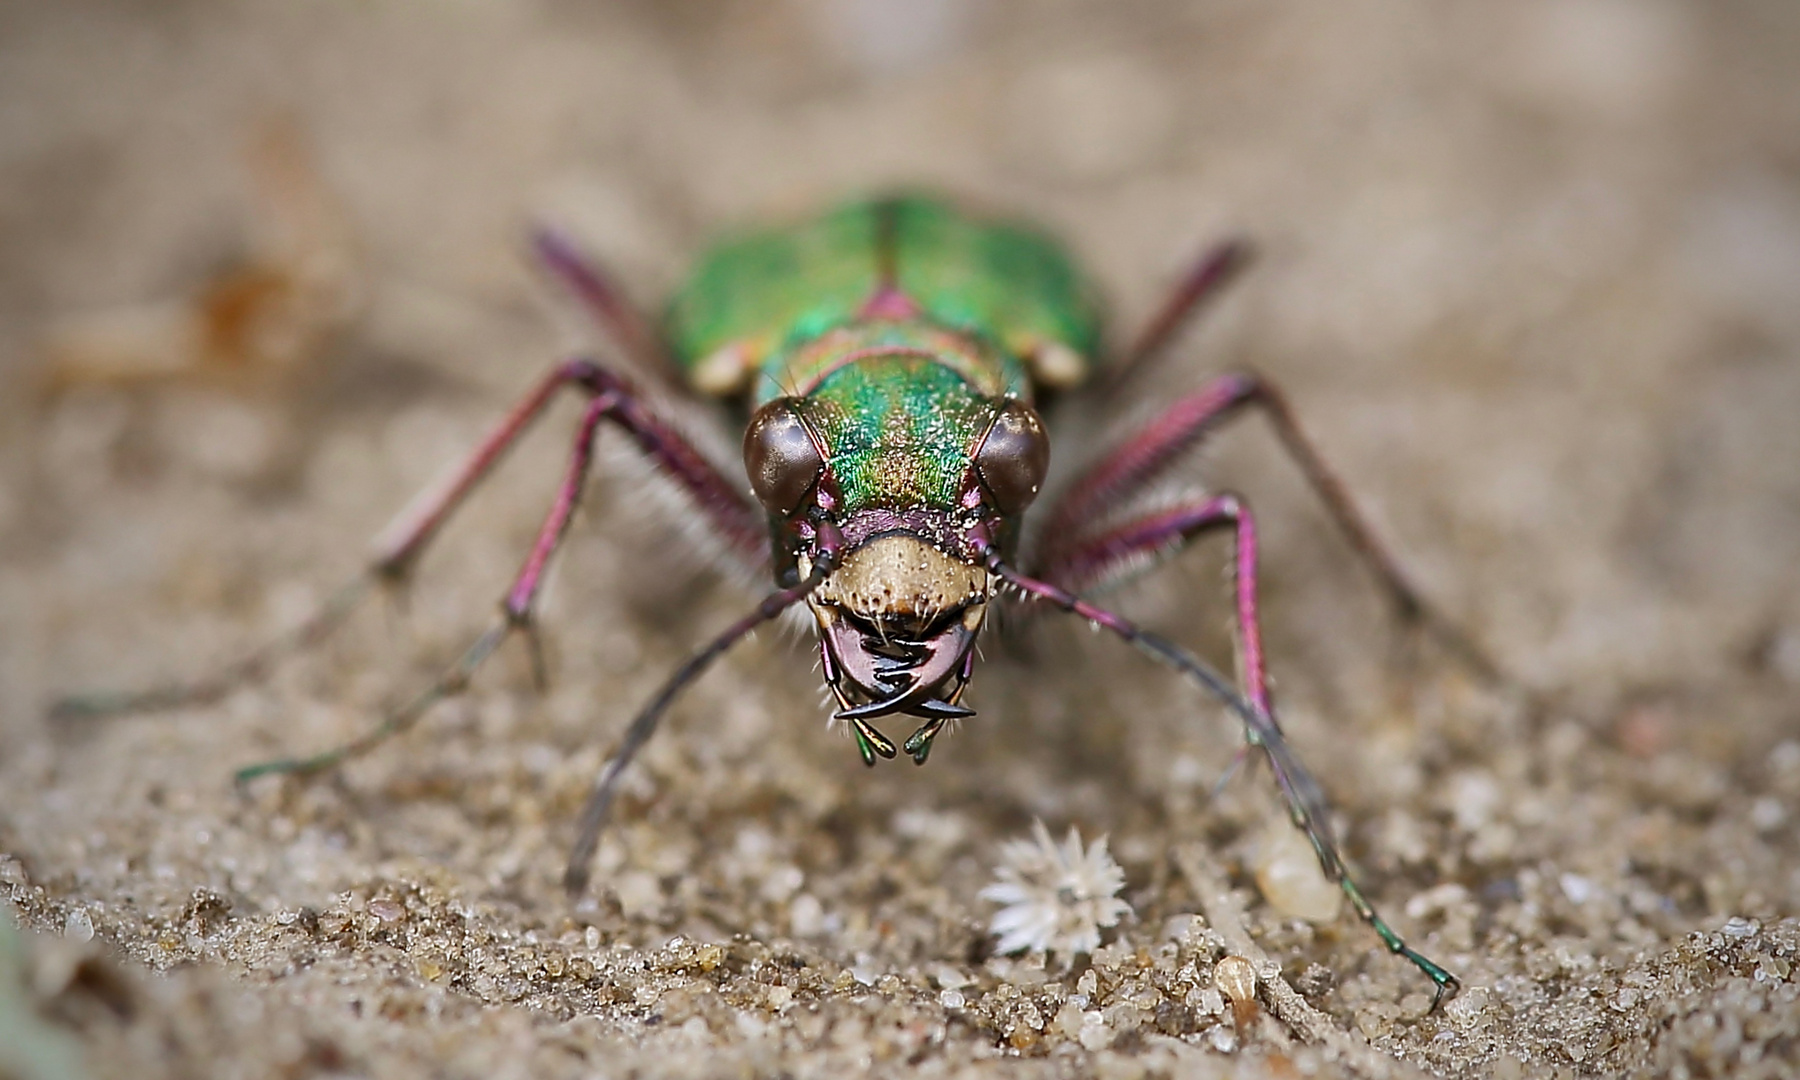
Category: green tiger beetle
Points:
column 888, row 358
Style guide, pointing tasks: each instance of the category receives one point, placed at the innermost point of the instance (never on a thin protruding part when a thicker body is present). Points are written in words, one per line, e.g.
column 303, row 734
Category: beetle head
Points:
column 899, row 616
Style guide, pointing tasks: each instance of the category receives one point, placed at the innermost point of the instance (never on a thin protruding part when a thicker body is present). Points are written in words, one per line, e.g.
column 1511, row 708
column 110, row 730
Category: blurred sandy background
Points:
column 1530, row 272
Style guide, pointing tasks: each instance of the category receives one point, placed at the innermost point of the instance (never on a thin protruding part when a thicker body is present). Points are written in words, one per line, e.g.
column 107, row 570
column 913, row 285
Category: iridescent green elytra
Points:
column 983, row 309
column 773, row 290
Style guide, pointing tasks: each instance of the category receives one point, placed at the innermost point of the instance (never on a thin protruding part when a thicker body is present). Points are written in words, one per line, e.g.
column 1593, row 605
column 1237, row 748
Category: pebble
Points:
column 77, row 926
column 1287, row 873
column 1767, row 814
column 806, row 916
column 1578, row 889
column 1069, row 1019
column 1466, row 1008
column 1235, row 977
column 1094, row 1034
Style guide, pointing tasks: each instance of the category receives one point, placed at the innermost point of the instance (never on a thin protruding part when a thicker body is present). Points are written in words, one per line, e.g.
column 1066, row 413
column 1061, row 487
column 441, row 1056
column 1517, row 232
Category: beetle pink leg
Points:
column 595, row 288
column 735, row 521
column 593, row 816
column 400, row 544
column 613, row 402
column 1131, row 468
column 397, row 548
column 1104, row 556
column 1097, row 559
column 1305, row 799
column 1215, row 269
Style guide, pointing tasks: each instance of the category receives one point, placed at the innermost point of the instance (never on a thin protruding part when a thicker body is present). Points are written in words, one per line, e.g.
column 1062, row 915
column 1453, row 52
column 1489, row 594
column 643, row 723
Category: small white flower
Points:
column 1056, row 898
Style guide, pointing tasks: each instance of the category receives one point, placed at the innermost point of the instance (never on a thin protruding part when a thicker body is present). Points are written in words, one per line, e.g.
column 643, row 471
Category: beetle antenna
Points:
column 1304, row 797
column 593, row 815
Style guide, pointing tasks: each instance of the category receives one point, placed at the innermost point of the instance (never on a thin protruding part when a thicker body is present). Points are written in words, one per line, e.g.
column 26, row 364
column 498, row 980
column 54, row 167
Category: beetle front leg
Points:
column 1131, row 468
column 1095, row 559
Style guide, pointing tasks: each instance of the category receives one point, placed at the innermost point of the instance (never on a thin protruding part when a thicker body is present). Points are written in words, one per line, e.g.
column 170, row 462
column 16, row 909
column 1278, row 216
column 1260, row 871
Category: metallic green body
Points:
column 776, row 289
column 901, row 322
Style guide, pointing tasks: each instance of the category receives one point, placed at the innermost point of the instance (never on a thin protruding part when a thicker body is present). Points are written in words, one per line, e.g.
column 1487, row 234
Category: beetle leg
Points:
column 1130, row 469
column 1083, row 566
column 733, row 518
column 593, row 815
column 595, row 288
column 615, row 403
column 398, row 547
column 1124, row 545
column 1216, row 268
column 516, row 612
column 1305, row 799
column 1097, row 559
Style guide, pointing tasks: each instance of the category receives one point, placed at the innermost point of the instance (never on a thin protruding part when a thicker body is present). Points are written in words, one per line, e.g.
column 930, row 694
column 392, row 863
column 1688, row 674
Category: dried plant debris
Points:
column 1056, row 898
column 262, row 322
column 1235, row 977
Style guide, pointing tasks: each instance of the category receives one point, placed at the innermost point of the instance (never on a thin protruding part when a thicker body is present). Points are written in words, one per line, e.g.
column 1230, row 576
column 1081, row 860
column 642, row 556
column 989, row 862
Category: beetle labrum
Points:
column 888, row 356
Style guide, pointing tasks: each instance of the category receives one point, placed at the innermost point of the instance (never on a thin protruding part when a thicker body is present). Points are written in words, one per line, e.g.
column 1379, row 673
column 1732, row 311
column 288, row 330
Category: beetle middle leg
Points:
column 395, row 551
column 613, row 400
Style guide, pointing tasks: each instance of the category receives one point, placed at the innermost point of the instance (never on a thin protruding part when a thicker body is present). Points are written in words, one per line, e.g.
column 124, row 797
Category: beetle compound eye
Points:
column 781, row 457
column 1013, row 457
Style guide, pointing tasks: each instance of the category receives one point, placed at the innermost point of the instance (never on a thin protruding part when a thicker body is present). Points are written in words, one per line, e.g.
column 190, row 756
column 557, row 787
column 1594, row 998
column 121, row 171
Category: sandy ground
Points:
column 1529, row 272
